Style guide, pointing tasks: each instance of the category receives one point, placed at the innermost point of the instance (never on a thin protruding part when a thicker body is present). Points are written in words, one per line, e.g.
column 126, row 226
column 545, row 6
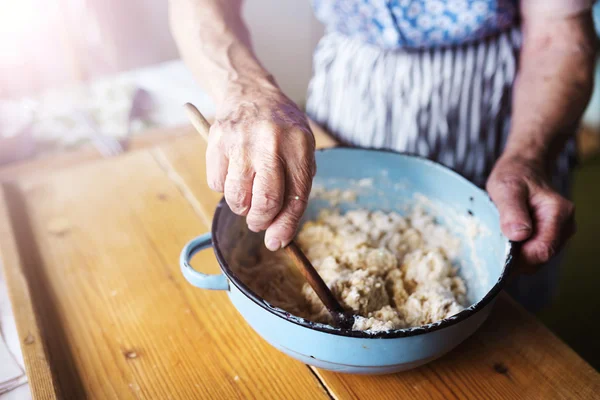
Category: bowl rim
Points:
column 513, row 248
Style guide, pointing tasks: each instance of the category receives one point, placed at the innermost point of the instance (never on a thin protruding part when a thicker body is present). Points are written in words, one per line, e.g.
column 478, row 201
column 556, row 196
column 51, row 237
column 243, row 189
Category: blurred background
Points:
column 77, row 73
column 71, row 69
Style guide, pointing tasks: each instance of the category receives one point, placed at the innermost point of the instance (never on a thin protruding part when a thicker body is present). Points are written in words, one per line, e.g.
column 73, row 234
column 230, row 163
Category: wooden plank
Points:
column 35, row 352
column 100, row 245
column 512, row 356
column 53, row 162
column 113, row 337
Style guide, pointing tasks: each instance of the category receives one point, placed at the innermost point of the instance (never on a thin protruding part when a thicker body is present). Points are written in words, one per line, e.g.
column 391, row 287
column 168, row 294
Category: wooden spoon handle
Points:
column 313, row 277
column 198, row 120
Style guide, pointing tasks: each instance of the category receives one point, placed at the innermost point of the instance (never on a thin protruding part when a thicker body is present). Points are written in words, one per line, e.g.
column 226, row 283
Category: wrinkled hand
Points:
column 530, row 210
column 261, row 156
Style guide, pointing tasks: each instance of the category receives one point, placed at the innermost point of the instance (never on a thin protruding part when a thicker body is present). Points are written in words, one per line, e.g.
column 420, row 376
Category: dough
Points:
column 392, row 271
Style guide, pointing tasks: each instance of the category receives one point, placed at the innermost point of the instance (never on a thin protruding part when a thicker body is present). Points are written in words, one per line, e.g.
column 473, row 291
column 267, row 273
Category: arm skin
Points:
column 551, row 92
column 261, row 150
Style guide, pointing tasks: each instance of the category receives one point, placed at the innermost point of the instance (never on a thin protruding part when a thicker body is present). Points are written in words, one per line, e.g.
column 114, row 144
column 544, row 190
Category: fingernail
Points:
column 273, row 244
column 516, row 228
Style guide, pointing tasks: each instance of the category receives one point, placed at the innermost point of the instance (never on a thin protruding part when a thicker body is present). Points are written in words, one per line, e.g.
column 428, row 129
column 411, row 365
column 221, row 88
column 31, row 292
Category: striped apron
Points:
column 451, row 104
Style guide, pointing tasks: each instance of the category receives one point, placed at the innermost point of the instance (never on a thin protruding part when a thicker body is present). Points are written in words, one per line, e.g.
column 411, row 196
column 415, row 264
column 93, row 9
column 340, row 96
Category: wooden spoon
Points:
column 341, row 318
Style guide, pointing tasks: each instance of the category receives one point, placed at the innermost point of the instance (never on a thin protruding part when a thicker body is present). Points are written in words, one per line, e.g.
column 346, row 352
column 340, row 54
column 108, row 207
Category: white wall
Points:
column 284, row 35
column 48, row 44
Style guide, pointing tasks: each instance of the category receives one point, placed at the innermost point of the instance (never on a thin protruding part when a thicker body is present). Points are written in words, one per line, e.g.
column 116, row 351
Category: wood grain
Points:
column 121, row 322
column 513, row 356
column 35, row 352
column 51, row 163
column 90, row 255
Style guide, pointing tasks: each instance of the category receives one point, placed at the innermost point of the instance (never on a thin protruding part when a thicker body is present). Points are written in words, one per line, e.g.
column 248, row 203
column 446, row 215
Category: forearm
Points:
column 553, row 86
column 215, row 44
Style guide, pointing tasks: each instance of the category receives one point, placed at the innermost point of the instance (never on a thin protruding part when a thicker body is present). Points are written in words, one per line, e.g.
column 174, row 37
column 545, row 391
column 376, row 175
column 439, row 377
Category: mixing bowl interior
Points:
column 390, row 181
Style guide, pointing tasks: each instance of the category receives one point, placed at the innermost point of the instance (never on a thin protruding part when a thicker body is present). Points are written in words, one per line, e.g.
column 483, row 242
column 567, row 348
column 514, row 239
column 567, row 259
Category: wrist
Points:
column 528, row 145
column 255, row 81
column 523, row 153
column 247, row 87
column 531, row 159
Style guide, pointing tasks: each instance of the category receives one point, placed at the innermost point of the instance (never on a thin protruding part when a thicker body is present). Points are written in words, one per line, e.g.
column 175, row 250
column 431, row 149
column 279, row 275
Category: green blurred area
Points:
column 573, row 315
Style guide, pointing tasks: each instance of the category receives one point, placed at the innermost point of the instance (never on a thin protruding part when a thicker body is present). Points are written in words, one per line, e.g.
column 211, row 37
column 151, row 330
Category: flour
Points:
column 392, row 271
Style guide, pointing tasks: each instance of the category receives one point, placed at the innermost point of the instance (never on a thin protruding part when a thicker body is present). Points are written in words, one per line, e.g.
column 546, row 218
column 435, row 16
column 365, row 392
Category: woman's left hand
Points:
column 531, row 211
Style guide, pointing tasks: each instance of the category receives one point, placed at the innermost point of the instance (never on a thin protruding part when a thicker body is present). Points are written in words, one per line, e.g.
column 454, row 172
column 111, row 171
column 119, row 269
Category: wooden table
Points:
column 90, row 249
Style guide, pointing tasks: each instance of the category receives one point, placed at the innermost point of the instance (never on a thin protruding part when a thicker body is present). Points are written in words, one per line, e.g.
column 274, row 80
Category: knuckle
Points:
column 504, row 178
column 215, row 184
column 287, row 229
column 306, row 140
column 546, row 251
column 215, row 132
column 287, row 223
column 240, row 165
column 269, row 163
column 510, row 182
column 217, row 139
column 267, row 128
column 239, row 157
column 238, row 199
column 265, row 205
column 214, row 178
column 223, row 126
column 218, row 125
column 270, row 145
column 306, row 166
column 295, row 210
column 302, row 182
column 562, row 209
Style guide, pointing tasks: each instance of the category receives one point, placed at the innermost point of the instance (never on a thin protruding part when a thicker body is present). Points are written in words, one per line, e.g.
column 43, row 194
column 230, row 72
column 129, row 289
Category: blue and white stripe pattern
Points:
column 391, row 24
column 451, row 104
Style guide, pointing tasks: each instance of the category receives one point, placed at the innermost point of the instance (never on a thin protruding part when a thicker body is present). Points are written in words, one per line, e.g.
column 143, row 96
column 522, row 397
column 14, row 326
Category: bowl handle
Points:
column 198, row 279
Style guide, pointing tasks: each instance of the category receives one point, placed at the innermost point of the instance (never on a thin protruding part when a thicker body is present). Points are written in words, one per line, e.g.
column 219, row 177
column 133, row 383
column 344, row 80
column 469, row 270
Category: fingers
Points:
column 298, row 184
column 216, row 168
column 555, row 224
column 267, row 194
column 511, row 198
column 281, row 232
column 238, row 184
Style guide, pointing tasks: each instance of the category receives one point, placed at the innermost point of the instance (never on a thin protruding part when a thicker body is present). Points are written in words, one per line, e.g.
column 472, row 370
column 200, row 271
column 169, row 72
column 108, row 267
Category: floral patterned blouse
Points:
column 417, row 23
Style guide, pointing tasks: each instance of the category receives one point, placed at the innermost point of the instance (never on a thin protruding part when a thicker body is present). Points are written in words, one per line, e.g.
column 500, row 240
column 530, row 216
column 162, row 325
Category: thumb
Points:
column 511, row 198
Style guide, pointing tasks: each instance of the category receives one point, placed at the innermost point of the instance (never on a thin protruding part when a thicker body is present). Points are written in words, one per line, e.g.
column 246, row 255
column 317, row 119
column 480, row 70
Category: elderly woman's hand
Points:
column 530, row 210
column 261, row 155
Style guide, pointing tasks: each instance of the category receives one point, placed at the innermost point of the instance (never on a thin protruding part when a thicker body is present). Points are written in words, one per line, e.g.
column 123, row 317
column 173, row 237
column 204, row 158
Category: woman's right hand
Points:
column 261, row 156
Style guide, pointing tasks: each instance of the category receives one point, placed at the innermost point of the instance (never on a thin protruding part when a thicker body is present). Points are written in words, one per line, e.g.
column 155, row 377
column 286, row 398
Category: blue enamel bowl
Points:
column 382, row 180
